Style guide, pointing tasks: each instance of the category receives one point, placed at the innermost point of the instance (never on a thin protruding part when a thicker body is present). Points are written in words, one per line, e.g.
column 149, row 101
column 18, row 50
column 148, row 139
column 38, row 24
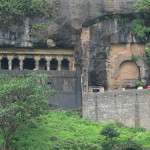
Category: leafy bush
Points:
column 71, row 144
column 76, row 133
column 139, row 83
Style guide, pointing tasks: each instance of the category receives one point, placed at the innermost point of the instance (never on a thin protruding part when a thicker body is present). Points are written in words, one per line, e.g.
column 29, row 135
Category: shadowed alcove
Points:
column 53, row 64
column 65, row 64
column 4, row 63
column 29, row 64
column 15, row 64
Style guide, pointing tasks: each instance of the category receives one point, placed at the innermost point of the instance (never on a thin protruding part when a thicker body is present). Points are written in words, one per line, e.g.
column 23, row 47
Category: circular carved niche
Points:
column 128, row 70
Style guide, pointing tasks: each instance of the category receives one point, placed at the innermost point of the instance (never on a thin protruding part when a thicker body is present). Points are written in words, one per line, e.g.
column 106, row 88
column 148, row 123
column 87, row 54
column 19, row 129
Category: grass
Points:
column 69, row 129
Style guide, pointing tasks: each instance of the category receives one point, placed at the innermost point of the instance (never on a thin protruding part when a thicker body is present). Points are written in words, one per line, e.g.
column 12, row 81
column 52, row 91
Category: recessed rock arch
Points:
column 4, row 63
column 128, row 73
column 29, row 64
column 15, row 64
column 54, row 64
column 42, row 64
column 65, row 64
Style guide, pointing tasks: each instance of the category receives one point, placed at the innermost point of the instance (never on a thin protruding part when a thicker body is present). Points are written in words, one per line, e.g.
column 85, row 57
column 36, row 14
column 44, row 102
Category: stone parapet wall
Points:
column 129, row 107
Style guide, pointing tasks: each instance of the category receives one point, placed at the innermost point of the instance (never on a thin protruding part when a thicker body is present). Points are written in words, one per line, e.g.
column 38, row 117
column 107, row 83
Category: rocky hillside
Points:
column 87, row 26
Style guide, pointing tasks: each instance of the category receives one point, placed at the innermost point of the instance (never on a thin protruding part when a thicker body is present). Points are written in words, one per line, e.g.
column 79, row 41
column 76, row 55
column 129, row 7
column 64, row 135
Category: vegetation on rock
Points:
column 142, row 24
column 13, row 12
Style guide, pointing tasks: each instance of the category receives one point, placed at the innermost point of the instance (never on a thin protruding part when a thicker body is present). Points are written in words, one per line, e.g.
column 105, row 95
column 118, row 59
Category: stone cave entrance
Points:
column 42, row 64
column 4, row 63
column 53, row 64
column 64, row 64
column 29, row 64
column 15, row 64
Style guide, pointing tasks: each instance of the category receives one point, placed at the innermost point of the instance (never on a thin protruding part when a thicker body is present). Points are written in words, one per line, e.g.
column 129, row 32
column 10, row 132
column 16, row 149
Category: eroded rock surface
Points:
column 89, row 27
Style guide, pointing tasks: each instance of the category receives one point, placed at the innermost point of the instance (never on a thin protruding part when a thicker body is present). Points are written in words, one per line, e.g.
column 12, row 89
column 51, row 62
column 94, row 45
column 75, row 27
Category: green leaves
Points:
column 12, row 12
column 20, row 100
column 141, row 25
column 143, row 5
column 109, row 132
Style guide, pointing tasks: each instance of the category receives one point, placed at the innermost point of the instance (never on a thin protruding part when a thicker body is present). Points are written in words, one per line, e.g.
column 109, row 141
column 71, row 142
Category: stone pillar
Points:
column 84, row 80
column 70, row 64
column 73, row 66
column 59, row 65
column 48, row 59
column 37, row 59
column 59, row 59
column 0, row 61
column 10, row 58
column 21, row 58
column 10, row 64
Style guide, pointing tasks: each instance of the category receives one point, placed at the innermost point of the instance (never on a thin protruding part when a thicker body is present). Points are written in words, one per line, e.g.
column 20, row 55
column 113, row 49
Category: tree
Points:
column 20, row 100
column 109, row 132
column 141, row 25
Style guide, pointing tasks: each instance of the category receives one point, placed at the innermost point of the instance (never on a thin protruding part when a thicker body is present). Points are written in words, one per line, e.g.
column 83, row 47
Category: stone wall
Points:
column 67, row 83
column 129, row 107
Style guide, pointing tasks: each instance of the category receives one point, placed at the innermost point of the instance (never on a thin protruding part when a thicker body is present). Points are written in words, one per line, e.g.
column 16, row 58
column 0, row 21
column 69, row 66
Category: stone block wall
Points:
column 129, row 107
column 66, row 83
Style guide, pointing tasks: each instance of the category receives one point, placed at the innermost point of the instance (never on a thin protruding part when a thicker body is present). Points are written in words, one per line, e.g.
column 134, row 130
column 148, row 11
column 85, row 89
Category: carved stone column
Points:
column 70, row 64
column 59, row 59
column 48, row 59
column 37, row 59
column 10, row 58
column 0, row 61
column 21, row 58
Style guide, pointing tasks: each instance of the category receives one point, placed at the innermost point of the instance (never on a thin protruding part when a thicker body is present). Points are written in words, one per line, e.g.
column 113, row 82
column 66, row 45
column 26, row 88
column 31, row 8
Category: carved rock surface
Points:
column 66, row 28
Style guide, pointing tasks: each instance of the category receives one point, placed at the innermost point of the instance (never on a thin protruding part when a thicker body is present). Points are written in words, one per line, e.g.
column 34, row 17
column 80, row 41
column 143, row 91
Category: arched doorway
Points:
column 65, row 64
column 42, row 64
column 4, row 63
column 15, row 64
column 29, row 64
column 53, row 64
column 128, row 73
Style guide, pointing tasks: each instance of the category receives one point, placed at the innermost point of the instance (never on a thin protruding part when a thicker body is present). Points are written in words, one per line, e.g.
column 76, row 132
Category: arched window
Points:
column 42, row 64
column 29, row 64
column 15, row 64
column 4, row 63
column 65, row 64
column 53, row 64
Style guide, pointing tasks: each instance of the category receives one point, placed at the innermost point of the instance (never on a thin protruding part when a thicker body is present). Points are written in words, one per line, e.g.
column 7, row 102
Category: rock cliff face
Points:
column 90, row 27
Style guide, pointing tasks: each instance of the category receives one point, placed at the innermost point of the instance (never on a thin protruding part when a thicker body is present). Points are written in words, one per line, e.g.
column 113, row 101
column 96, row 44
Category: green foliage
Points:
column 107, row 145
column 109, row 132
column 141, row 25
column 12, row 12
column 139, row 83
column 41, row 26
column 20, row 100
column 129, row 1
column 71, row 144
column 141, row 29
column 135, row 58
column 143, row 5
column 75, row 133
